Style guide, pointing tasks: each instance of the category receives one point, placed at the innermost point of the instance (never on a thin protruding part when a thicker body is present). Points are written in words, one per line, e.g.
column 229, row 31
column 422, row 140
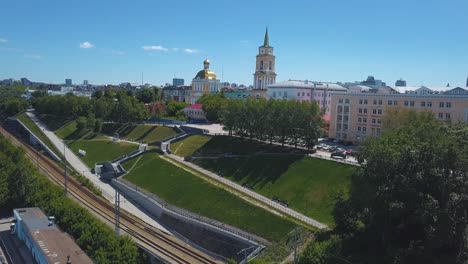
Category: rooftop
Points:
column 55, row 244
column 195, row 106
column 307, row 84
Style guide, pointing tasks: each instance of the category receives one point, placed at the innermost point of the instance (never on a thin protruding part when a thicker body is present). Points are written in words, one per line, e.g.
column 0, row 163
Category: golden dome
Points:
column 206, row 73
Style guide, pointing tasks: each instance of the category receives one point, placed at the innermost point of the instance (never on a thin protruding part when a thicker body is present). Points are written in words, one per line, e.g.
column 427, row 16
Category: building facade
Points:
column 265, row 65
column 177, row 82
column 195, row 112
column 305, row 91
column 176, row 93
column 205, row 82
column 68, row 82
column 358, row 115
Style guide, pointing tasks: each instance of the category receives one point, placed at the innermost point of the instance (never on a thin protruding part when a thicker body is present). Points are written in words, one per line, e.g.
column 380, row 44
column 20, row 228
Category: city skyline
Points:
column 110, row 42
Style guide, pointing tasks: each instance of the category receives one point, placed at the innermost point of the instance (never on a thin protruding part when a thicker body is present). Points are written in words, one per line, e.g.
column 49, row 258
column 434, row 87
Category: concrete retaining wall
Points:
column 214, row 240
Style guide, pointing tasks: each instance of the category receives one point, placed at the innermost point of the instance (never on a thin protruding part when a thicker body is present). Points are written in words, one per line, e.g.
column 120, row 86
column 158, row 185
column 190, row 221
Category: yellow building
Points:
column 205, row 82
column 265, row 65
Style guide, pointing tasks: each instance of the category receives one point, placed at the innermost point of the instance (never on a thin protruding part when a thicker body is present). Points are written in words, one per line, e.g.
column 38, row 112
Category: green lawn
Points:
column 182, row 189
column 187, row 146
column 38, row 132
column 101, row 150
column 310, row 185
column 220, row 145
column 141, row 133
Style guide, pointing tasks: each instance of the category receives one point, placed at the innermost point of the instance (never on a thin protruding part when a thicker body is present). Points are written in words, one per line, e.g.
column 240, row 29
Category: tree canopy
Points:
column 409, row 200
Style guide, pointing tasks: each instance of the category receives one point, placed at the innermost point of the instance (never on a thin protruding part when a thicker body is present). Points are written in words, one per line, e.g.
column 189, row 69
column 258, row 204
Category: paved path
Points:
column 107, row 191
column 252, row 194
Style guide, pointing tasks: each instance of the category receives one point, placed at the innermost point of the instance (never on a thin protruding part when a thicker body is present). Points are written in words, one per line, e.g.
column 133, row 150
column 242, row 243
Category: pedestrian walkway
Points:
column 252, row 194
column 107, row 191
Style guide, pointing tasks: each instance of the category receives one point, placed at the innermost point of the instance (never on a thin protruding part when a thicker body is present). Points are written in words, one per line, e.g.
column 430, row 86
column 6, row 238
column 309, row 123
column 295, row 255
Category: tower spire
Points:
column 266, row 41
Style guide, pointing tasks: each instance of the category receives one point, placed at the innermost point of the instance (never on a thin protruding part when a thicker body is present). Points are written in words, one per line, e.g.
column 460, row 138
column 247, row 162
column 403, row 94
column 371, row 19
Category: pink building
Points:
column 358, row 113
column 195, row 112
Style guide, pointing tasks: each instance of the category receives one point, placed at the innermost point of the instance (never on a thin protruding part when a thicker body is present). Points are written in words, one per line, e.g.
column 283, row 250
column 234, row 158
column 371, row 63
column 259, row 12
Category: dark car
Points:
column 338, row 154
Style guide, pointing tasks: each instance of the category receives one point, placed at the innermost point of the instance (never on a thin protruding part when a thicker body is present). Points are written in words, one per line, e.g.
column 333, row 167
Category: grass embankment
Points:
column 26, row 120
column 180, row 188
column 309, row 185
column 187, row 146
column 101, row 150
column 53, row 122
column 141, row 133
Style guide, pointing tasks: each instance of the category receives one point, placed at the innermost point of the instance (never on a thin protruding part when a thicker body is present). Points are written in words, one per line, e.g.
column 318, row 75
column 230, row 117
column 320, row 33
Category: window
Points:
column 346, row 101
column 345, row 126
column 303, row 94
column 340, row 101
column 261, row 65
column 298, row 93
column 374, row 111
column 411, row 103
column 365, row 101
column 285, row 94
column 270, row 65
column 380, row 102
column 365, row 110
column 447, row 115
column 375, row 101
column 364, row 120
column 360, row 110
column 359, row 119
column 441, row 115
column 373, row 120
column 406, row 103
column 423, row 104
column 390, row 102
column 360, row 101
column 338, row 126
column 429, row 104
column 448, row 105
column 379, row 111
column 379, row 121
column 364, row 129
column 359, row 128
column 441, row 104
column 395, row 102
column 346, row 109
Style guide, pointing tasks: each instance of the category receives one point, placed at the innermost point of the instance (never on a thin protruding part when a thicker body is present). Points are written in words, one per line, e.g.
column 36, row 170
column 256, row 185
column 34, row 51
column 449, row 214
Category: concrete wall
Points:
column 197, row 232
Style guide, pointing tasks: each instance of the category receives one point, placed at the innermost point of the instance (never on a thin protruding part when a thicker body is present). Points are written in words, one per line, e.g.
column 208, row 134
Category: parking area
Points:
column 14, row 250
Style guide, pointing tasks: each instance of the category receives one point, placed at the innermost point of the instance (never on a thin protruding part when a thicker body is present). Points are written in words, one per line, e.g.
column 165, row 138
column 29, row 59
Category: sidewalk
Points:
column 252, row 194
column 107, row 191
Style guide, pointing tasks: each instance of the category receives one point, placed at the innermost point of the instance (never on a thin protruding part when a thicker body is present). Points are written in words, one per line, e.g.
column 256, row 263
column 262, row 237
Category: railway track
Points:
column 166, row 247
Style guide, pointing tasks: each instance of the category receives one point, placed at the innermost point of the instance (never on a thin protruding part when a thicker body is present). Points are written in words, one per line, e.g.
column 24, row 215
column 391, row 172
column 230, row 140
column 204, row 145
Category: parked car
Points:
column 349, row 152
column 338, row 154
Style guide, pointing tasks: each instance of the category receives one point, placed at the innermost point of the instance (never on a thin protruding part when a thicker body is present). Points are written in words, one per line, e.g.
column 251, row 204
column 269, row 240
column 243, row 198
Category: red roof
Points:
column 195, row 106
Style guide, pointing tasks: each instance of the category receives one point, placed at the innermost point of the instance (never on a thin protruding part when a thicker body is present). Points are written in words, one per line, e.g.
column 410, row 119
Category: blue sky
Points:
column 327, row 40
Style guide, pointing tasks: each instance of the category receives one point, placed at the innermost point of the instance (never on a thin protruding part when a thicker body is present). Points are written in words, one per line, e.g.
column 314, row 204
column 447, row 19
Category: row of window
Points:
column 441, row 116
column 374, row 131
column 374, row 111
column 340, row 101
column 303, row 94
column 285, row 94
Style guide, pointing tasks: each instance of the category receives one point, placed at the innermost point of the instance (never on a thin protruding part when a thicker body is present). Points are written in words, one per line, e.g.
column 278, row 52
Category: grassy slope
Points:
column 71, row 132
column 182, row 189
column 101, row 150
column 189, row 145
column 310, row 185
column 37, row 131
column 142, row 133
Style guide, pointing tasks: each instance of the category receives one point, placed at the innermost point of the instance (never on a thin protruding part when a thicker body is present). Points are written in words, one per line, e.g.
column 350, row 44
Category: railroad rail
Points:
column 168, row 248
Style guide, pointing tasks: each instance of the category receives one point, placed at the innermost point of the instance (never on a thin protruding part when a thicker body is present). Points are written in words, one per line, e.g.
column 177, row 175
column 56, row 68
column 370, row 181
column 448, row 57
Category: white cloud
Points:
column 161, row 48
column 191, row 50
column 32, row 56
column 86, row 45
column 2, row 40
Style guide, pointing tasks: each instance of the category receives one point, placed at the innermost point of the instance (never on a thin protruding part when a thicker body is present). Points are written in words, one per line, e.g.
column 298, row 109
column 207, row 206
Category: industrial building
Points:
column 46, row 242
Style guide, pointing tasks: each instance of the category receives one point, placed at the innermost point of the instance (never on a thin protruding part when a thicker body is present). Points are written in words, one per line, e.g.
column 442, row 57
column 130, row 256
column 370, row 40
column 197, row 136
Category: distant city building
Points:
column 176, row 93
column 466, row 82
column 372, row 82
column 68, row 82
column 7, row 82
column 305, row 91
column 195, row 112
column 25, row 82
column 85, row 82
column 177, row 82
column 205, row 82
column 46, row 242
column 265, row 65
column 357, row 114
column 400, row 83
column 244, row 93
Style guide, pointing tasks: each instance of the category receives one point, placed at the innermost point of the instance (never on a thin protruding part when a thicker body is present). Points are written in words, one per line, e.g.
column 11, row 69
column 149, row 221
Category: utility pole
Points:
column 65, row 168
column 295, row 245
column 117, row 212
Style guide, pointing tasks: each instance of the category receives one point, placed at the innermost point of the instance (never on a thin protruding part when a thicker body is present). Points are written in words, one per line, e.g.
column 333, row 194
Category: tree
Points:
column 213, row 105
column 146, row 95
column 409, row 198
column 174, row 106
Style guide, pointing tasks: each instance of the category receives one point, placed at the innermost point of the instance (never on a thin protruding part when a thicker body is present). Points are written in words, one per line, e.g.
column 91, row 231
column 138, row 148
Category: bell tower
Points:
column 265, row 65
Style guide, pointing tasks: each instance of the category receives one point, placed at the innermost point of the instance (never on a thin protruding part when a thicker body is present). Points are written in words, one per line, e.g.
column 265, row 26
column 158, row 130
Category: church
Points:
column 205, row 82
column 265, row 65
